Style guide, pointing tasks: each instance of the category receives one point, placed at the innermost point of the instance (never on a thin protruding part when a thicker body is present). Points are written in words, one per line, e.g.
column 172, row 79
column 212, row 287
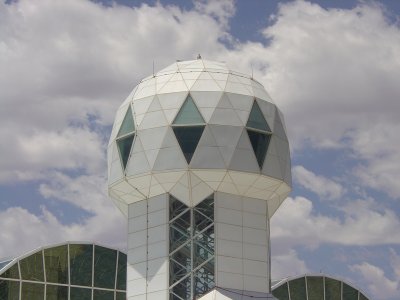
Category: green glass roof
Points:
column 65, row 272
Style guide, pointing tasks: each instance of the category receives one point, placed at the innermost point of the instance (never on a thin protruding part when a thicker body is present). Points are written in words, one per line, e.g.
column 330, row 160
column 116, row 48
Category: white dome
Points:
column 197, row 127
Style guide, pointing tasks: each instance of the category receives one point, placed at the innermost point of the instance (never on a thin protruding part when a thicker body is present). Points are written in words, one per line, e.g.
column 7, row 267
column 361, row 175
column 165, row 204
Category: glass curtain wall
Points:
column 66, row 272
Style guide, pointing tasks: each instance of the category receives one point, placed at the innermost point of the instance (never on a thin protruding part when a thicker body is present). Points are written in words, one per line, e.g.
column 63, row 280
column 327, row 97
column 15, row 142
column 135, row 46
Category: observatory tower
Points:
column 198, row 161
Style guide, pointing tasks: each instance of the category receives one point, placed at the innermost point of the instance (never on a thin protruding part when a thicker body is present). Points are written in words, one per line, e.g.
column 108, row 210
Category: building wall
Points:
column 148, row 242
column 242, row 243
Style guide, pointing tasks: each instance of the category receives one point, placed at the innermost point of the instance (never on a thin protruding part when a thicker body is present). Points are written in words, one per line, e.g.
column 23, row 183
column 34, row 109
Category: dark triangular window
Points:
column 126, row 136
column 259, row 133
column 188, row 127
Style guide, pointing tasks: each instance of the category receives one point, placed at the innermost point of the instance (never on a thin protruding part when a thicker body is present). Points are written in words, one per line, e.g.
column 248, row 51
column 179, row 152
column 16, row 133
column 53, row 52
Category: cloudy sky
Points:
column 333, row 67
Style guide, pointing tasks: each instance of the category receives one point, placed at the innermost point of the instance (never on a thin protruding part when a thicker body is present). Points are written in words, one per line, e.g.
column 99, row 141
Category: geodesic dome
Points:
column 194, row 128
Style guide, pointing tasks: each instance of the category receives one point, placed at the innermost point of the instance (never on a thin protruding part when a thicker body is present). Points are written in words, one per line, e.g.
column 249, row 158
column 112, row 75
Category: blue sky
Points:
column 331, row 66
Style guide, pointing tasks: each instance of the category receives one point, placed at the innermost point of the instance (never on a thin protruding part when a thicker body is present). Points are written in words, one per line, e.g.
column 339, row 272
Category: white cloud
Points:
column 23, row 231
column 379, row 285
column 333, row 72
column 287, row 264
column 222, row 10
column 296, row 223
column 322, row 186
column 64, row 64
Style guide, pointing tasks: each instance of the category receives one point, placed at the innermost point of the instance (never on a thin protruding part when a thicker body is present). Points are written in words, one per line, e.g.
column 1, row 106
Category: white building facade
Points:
column 198, row 161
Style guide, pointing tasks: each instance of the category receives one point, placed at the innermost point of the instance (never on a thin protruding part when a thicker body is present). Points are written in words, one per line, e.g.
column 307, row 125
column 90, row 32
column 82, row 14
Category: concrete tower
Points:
column 198, row 161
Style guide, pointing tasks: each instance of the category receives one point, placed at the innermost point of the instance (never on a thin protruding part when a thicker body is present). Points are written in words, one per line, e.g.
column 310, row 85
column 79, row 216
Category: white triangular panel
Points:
column 210, row 175
column 205, row 85
column 206, row 113
column 278, row 127
column 243, row 116
column 200, row 192
column 184, row 180
column 227, row 154
column 172, row 87
column 244, row 160
column 244, row 141
column 141, row 183
column 273, row 204
column 137, row 164
column 137, row 145
column 206, row 99
column 241, row 102
column 181, row 193
column 238, row 88
column 168, row 177
column 226, row 135
column 172, row 100
column 220, row 76
column 223, row 116
column 142, row 105
column 152, row 138
column 151, row 156
column 169, row 139
column 288, row 174
column 272, row 146
column 146, row 88
column 123, row 187
column 224, row 102
column 162, row 80
column 155, row 188
column 227, row 186
column 170, row 114
column 170, row 159
column 266, row 183
column 116, row 172
column 260, row 92
column 153, row 119
column 207, row 138
column 206, row 157
column 282, row 148
column 205, row 76
column 240, row 178
column 155, row 105
column 271, row 167
column 194, row 180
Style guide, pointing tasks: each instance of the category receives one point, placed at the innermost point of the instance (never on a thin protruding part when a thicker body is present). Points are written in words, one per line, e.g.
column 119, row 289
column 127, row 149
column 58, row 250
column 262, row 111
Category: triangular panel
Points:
column 172, row 100
column 124, row 147
column 128, row 124
column 259, row 142
column 169, row 159
column 206, row 157
column 256, row 119
column 153, row 119
column 188, row 137
column 188, row 114
column 271, row 167
column 137, row 164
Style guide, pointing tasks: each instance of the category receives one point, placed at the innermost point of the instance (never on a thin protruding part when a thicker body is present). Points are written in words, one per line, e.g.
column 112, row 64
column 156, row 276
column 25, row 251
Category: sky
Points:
column 332, row 67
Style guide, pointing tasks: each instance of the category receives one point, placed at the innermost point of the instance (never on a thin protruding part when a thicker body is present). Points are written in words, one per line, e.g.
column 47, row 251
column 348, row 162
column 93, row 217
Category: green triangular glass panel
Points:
column 127, row 125
column 188, row 114
column 188, row 138
column 256, row 119
column 124, row 147
column 11, row 272
column 260, row 142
